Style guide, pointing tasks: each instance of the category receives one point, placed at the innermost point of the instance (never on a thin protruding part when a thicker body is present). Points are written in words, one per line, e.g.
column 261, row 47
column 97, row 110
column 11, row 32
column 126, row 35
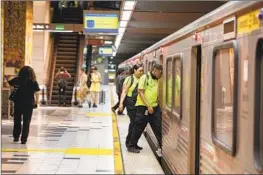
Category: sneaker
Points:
column 23, row 142
column 80, row 106
column 133, row 150
column 138, row 147
column 159, row 152
column 94, row 105
column 16, row 140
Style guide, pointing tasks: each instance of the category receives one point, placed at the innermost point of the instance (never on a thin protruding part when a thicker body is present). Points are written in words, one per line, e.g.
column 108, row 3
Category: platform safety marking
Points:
column 69, row 151
column 118, row 163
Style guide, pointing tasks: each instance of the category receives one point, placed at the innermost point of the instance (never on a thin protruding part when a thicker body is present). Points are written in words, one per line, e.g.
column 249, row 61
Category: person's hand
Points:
column 35, row 105
column 150, row 110
column 120, row 107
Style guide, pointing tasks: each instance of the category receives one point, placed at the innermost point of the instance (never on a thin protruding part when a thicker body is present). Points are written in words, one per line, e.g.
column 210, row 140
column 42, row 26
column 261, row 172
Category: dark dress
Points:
column 24, row 103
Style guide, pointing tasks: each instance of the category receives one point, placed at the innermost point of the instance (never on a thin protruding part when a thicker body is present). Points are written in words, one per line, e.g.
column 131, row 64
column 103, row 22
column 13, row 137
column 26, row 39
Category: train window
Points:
column 224, row 97
column 258, row 129
column 169, row 82
column 149, row 66
column 146, row 66
column 177, row 86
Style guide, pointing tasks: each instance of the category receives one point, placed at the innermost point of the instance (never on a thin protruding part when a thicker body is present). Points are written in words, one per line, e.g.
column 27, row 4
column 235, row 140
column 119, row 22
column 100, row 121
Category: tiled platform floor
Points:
column 71, row 141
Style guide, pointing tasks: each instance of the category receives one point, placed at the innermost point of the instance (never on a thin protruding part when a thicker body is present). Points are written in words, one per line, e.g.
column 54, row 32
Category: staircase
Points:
column 67, row 57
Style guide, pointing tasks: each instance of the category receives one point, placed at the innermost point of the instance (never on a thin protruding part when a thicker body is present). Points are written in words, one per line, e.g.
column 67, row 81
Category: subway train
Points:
column 211, row 92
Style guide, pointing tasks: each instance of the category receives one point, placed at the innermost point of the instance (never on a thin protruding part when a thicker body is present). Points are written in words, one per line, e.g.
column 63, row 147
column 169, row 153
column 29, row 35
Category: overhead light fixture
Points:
column 122, row 30
column 108, row 42
column 123, row 23
column 129, row 5
column 126, row 15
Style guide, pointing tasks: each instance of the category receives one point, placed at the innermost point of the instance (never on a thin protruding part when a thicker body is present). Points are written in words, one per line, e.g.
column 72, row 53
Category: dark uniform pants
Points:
column 131, row 109
column 62, row 95
column 141, row 122
column 26, row 112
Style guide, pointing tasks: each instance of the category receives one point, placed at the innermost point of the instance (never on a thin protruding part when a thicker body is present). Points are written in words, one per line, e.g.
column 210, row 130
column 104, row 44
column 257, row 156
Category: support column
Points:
column 89, row 57
column 17, row 44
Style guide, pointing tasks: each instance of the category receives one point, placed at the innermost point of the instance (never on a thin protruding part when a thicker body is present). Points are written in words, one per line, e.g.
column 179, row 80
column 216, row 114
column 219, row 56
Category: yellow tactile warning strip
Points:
column 118, row 163
column 98, row 114
column 69, row 151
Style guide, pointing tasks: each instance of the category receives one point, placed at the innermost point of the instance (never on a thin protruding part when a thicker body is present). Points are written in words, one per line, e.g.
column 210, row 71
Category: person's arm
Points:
column 141, row 88
column 125, row 88
column 36, row 97
column 69, row 76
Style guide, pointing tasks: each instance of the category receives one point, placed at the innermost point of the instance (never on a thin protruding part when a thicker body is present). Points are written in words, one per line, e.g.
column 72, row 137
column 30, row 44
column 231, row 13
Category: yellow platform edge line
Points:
column 69, row 151
column 118, row 163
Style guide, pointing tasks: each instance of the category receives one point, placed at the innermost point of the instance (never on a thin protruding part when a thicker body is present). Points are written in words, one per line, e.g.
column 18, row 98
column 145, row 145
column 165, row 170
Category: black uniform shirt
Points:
column 25, row 92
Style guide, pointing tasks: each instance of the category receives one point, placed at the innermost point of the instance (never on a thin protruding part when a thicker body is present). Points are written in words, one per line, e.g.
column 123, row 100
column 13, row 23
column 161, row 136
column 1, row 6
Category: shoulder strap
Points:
column 146, row 80
column 132, row 79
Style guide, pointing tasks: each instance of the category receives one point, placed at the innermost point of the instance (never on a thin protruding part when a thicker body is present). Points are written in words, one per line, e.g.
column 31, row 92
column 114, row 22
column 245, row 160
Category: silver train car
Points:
column 211, row 92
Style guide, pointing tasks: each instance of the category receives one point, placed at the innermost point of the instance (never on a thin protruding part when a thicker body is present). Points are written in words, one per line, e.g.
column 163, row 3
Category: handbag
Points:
column 13, row 95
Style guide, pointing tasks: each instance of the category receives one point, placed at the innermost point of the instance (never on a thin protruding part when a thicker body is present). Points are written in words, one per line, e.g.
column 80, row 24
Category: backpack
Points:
column 62, row 83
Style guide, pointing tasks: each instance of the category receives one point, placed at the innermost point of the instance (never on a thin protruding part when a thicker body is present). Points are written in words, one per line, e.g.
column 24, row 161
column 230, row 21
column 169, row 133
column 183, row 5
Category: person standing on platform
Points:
column 25, row 99
column 148, row 109
column 129, row 96
column 119, row 85
column 95, row 86
column 83, row 87
column 62, row 76
column 89, row 85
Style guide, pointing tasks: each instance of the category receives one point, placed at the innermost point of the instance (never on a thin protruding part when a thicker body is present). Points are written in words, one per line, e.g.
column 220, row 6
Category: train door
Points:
column 196, row 109
column 258, row 118
column 161, row 85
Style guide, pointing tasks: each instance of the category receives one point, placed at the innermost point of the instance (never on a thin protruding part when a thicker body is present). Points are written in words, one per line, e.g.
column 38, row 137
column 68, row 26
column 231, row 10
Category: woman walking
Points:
column 95, row 86
column 26, row 97
column 129, row 97
column 83, row 87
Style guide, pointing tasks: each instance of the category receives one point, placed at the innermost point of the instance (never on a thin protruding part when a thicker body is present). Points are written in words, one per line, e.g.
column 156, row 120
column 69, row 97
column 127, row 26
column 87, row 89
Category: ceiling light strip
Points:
column 126, row 14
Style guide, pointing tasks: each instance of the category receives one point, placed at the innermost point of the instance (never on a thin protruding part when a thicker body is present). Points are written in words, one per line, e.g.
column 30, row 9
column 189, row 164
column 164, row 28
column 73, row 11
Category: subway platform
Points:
column 71, row 140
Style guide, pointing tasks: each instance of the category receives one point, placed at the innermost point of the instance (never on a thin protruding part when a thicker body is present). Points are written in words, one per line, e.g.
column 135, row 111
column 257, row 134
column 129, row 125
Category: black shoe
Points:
column 138, row 147
column 113, row 110
column 80, row 106
column 94, row 105
column 120, row 113
column 16, row 140
column 133, row 150
column 23, row 142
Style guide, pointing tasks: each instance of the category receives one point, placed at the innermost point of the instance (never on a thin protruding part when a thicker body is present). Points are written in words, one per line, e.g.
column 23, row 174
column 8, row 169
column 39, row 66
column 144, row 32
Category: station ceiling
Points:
column 152, row 21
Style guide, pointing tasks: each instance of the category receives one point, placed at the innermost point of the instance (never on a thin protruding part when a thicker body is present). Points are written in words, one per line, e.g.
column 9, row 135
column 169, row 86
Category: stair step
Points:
column 62, row 49
column 66, row 57
column 71, row 37
column 67, row 45
column 66, row 53
column 69, row 66
column 66, row 62
column 62, row 41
